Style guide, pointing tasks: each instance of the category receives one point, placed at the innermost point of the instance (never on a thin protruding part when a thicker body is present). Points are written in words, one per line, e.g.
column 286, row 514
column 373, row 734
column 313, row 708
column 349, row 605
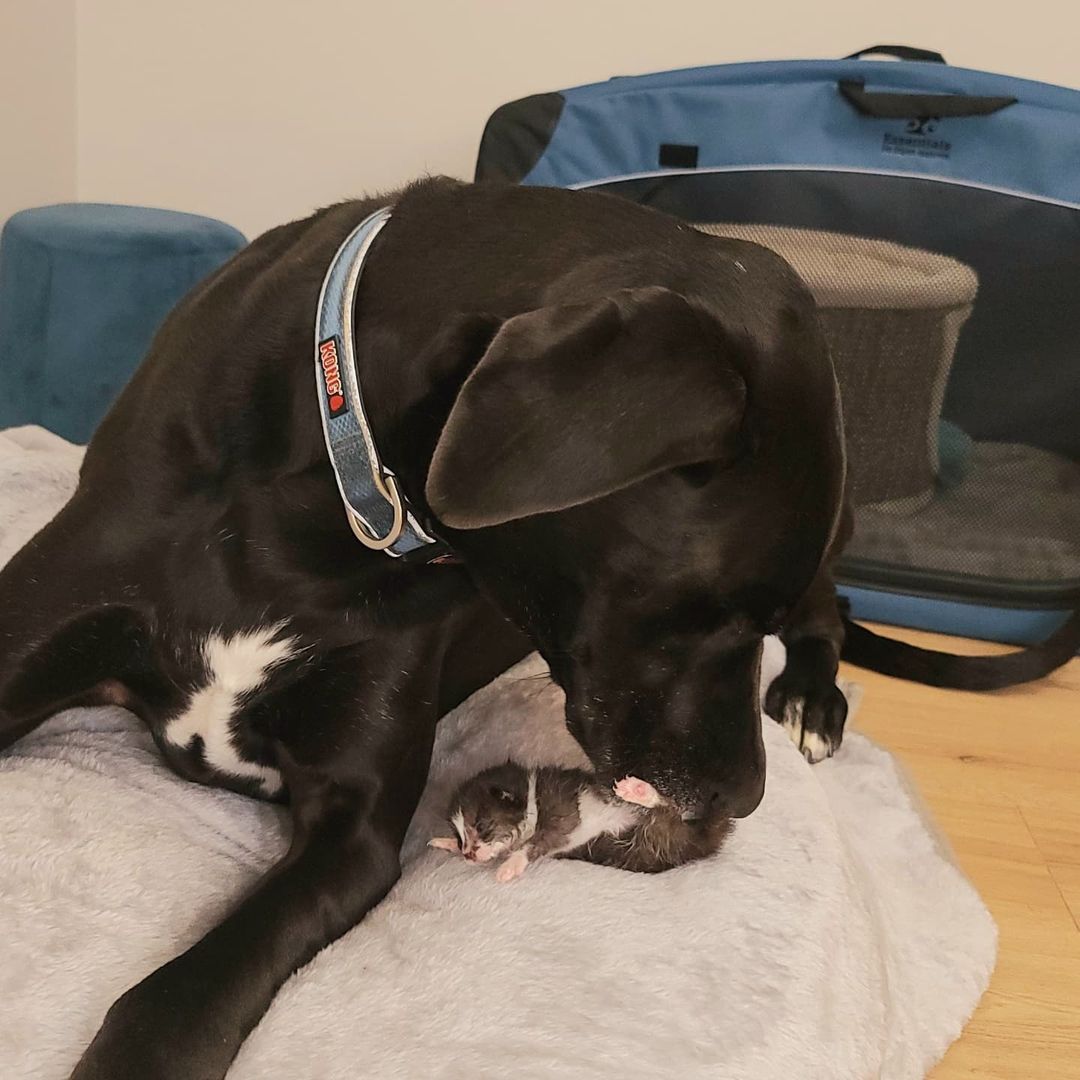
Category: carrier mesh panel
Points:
column 1013, row 514
column 934, row 507
column 892, row 315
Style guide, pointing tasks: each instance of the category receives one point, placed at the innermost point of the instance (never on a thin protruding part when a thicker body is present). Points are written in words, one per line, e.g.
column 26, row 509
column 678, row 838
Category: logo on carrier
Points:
column 328, row 359
column 923, row 125
column 917, row 140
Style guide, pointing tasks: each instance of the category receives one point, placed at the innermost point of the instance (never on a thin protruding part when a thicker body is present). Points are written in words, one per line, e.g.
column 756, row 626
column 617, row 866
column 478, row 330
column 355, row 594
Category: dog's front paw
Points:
column 812, row 712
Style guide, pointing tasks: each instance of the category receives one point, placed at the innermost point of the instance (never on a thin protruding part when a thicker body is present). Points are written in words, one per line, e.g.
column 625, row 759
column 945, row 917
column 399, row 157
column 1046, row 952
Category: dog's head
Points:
column 647, row 493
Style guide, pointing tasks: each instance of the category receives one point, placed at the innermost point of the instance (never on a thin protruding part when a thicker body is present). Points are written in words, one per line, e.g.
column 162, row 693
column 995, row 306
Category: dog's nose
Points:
column 744, row 801
column 725, row 799
column 741, row 798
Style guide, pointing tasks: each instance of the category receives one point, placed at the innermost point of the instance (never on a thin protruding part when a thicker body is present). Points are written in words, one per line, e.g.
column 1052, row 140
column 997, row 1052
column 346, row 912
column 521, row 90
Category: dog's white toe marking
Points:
column 235, row 666
column 815, row 748
column 792, row 721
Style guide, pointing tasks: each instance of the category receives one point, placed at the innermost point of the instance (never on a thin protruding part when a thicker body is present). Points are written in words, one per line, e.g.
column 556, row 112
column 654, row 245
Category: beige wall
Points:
column 258, row 110
column 37, row 103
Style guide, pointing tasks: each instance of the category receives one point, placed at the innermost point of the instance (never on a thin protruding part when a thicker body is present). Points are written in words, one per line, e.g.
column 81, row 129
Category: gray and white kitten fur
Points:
column 522, row 815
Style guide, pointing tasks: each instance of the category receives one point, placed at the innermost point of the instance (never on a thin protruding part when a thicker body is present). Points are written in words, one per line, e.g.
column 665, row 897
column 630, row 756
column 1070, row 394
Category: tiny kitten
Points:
column 527, row 814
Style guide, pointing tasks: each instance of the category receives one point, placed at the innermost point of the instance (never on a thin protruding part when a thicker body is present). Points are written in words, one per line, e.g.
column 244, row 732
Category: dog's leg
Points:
column 188, row 1019
column 68, row 627
column 804, row 697
column 354, row 751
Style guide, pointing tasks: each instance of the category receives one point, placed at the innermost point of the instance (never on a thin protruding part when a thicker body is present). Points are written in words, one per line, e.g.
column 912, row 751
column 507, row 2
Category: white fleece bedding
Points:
column 831, row 938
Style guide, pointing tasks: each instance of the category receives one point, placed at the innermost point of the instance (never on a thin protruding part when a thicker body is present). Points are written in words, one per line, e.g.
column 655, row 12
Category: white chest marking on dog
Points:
column 598, row 816
column 235, row 666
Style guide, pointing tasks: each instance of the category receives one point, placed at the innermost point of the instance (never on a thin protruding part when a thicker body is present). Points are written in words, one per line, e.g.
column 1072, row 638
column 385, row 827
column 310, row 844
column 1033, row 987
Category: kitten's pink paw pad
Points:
column 633, row 790
column 513, row 868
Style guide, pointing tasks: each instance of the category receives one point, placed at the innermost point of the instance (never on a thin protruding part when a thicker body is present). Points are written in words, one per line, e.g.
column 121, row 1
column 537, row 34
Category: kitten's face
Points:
column 488, row 812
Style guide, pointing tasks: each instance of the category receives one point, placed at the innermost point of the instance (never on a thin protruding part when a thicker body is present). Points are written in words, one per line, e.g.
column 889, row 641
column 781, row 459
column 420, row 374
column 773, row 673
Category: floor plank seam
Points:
column 1064, row 899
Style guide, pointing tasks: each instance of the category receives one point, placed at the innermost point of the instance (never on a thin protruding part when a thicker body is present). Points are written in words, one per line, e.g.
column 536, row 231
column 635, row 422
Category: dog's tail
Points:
column 864, row 648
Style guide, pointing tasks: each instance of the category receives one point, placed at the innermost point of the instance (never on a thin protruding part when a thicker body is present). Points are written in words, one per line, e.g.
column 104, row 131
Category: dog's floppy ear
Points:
column 572, row 402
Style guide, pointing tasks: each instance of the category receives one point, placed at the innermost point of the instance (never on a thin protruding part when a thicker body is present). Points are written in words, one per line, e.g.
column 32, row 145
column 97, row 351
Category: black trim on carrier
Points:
column 677, row 156
column 892, row 106
column 515, row 137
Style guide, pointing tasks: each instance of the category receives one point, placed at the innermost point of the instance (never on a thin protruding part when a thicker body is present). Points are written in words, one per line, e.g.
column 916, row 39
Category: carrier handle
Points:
column 886, row 106
column 901, row 52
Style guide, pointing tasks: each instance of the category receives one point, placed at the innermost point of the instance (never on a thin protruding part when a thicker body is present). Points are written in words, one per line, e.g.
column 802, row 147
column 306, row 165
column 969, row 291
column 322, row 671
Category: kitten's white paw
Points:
column 512, row 868
column 445, row 843
column 640, row 792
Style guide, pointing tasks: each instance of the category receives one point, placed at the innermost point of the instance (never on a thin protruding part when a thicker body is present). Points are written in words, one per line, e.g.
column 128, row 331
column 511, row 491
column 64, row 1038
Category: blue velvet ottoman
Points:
column 83, row 288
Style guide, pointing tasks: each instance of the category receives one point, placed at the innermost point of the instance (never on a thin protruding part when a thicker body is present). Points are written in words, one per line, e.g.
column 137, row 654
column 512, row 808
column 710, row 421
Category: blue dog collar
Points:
column 375, row 507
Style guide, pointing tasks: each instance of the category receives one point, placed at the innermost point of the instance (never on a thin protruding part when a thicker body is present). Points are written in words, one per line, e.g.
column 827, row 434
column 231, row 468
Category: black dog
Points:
column 627, row 432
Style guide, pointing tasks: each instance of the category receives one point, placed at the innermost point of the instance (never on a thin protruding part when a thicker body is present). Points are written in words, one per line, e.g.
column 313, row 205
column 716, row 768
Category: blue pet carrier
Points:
column 935, row 214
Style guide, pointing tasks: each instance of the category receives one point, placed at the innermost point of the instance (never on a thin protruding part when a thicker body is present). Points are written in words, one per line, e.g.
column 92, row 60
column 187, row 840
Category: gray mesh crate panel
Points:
column 1014, row 517
column 891, row 315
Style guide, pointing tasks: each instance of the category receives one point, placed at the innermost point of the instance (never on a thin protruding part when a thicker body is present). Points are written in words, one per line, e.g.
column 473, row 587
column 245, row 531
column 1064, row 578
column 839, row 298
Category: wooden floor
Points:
column 1001, row 773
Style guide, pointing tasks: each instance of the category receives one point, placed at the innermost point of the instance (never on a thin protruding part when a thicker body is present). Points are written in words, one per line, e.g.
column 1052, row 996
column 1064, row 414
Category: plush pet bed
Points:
column 832, row 937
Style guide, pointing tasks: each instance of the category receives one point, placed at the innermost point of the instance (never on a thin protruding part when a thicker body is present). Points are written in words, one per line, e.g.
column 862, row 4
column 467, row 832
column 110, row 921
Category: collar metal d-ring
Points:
column 361, row 531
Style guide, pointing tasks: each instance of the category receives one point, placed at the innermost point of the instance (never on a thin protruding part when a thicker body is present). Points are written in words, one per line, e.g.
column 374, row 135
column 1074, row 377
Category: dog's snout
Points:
column 722, row 798
column 744, row 802
column 743, row 798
